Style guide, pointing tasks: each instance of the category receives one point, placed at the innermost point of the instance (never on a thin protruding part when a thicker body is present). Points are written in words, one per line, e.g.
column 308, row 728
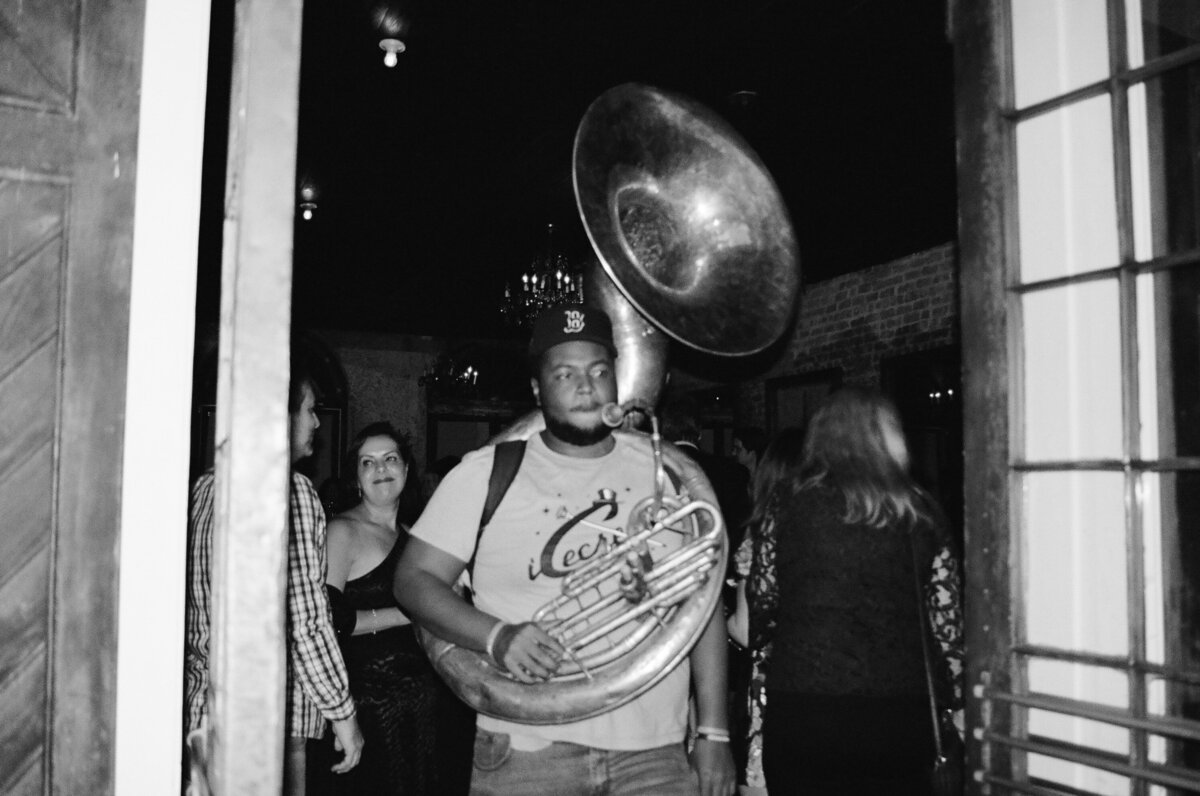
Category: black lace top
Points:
column 839, row 605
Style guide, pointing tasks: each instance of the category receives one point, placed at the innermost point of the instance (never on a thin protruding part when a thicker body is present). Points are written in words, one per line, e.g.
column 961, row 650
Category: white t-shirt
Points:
column 559, row 512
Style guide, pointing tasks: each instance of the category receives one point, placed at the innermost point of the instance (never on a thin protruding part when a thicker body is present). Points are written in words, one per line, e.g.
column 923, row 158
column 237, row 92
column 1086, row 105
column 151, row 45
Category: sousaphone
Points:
column 695, row 245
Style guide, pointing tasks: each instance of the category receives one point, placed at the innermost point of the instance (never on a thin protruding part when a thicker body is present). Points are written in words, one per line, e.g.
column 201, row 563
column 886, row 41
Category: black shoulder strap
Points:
column 505, row 463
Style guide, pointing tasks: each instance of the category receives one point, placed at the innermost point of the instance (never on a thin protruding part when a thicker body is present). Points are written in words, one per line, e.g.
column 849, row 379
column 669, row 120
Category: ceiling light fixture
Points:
column 392, row 26
column 549, row 281
column 743, row 99
column 308, row 198
column 391, row 49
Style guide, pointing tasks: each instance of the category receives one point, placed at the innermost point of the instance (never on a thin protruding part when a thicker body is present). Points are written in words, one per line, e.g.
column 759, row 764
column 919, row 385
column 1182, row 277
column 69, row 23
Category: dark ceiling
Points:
column 437, row 178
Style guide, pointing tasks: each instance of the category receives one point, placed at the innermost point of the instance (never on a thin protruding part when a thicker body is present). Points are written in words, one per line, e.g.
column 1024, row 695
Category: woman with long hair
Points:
column 778, row 464
column 394, row 687
column 836, row 598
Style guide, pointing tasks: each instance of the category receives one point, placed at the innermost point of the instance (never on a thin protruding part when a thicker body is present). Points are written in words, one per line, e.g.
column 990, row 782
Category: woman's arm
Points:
column 339, row 555
column 372, row 620
column 738, row 623
column 349, row 622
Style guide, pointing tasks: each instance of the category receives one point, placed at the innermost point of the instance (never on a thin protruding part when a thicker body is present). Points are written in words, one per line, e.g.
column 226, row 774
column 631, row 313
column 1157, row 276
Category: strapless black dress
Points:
column 396, row 693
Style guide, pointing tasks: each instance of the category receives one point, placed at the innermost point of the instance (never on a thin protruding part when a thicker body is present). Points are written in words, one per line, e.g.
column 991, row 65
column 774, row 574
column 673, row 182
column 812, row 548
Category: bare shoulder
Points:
column 344, row 529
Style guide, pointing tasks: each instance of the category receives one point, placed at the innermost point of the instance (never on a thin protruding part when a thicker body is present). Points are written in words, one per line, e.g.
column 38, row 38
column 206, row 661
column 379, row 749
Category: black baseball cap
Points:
column 568, row 322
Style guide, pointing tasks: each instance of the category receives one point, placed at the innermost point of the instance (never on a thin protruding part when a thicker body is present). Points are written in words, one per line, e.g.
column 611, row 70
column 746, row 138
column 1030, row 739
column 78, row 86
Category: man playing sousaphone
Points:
column 575, row 485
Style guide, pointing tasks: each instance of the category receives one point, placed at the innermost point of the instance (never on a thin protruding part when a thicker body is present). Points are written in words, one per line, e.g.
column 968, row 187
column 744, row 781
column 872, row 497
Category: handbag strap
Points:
column 926, row 653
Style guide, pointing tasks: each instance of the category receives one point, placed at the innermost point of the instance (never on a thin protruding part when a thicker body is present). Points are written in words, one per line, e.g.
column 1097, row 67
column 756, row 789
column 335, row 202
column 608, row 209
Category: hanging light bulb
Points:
column 392, row 26
column 308, row 198
column 391, row 50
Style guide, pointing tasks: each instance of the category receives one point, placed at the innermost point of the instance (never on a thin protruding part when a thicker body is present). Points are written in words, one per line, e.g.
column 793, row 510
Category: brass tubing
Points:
column 677, row 593
column 596, row 571
column 669, row 576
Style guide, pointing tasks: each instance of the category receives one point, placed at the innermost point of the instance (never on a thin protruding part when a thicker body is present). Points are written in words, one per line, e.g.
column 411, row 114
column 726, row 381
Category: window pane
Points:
column 1170, row 517
column 1073, row 553
column 1052, row 771
column 1169, row 362
column 1084, row 732
column 1072, row 373
column 1097, row 684
column 1066, row 207
column 1058, row 46
column 1085, row 683
column 1164, row 137
column 1178, row 701
column 1160, row 27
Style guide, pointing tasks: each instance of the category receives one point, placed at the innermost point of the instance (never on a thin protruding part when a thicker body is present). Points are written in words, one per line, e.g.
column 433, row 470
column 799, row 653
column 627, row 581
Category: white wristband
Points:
column 704, row 729
column 714, row 734
column 714, row 738
column 493, row 634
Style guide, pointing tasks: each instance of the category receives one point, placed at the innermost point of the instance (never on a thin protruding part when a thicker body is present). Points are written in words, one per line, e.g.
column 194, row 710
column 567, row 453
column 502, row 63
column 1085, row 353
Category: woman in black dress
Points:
column 833, row 589
column 394, row 687
column 779, row 463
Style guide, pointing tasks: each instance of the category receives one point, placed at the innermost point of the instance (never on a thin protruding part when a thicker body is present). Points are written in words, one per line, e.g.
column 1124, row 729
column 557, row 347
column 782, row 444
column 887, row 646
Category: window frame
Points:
column 993, row 363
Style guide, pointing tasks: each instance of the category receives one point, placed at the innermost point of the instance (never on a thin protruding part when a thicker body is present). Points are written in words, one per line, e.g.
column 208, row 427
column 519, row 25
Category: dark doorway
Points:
column 927, row 389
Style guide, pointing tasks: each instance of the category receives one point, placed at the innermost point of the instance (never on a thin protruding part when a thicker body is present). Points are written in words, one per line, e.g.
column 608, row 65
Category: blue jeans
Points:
column 567, row 769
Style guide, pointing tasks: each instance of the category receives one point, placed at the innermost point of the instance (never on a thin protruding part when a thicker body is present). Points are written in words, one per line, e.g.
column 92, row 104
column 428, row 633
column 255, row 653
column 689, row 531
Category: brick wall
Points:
column 852, row 322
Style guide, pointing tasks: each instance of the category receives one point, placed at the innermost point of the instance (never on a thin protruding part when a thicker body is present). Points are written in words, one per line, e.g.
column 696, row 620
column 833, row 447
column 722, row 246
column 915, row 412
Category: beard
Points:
column 576, row 435
column 301, row 449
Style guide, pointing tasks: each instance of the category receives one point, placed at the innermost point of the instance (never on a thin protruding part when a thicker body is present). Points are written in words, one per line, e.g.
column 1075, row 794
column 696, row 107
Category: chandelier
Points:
column 549, row 281
column 448, row 377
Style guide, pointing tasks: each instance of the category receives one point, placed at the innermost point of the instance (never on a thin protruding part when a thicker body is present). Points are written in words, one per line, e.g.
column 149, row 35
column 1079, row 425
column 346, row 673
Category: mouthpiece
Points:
column 612, row 415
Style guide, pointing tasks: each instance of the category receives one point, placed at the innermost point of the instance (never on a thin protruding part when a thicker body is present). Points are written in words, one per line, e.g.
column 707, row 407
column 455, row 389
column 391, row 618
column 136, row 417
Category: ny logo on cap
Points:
column 574, row 321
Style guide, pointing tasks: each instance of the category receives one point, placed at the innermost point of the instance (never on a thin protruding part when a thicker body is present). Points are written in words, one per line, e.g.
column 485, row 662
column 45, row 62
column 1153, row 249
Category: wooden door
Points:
column 69, row 78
